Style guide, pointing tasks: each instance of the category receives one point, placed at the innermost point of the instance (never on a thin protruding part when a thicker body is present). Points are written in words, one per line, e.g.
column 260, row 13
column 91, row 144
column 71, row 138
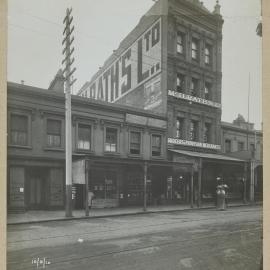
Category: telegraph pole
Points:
column 68, row 61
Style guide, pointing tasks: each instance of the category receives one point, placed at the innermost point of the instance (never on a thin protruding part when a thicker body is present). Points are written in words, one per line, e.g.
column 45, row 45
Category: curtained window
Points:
column 53, row 133
column 84, row 137
column 135, row 143
column 111, row 140
column 19, row 130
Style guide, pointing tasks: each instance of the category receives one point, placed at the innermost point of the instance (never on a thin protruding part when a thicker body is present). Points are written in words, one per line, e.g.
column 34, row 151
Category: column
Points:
column 144, row 185
column 191, row 186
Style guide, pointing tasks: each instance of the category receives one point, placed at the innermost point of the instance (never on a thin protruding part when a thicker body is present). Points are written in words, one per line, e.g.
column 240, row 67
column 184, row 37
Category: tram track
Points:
column 187, row 241
column 176, row 221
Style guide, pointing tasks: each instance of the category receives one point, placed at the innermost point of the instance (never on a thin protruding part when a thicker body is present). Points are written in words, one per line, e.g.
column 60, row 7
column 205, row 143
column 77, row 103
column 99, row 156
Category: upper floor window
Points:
column 207, row 54
column 111, row 140
column 84, row 137
column 180, row 82
column 228, row 145
column 207, row 133
column 194, row 87
column 156, row 145
column 195, row 49
column 135, row 143
column 180, row 43
column 193, row 130
column 207, row 90
column 53, row 133
column 252, row 147
column 179, row 127
column 240, row 146
column 19, row 130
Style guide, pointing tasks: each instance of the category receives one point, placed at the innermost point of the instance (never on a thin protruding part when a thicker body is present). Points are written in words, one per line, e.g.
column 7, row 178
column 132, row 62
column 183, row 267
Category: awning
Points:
column 206, row 155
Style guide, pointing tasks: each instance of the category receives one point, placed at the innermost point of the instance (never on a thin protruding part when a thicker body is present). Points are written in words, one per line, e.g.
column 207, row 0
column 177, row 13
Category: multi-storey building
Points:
column 241, row 140
column 171, row 63
column 123, row 145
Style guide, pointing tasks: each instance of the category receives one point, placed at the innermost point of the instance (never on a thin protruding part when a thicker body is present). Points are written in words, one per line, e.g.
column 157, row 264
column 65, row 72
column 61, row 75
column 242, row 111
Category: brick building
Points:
column 171, row 63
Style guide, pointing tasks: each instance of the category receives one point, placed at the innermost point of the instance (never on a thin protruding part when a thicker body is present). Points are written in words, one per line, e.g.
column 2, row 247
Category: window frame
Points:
column 84, row 123
column 29, row 129
column 196, row 130
column 196, row 87
column 209, row 137
column 180, row 44
column 62, row 137
column 117, row 139
column 242, row 144
column 209, row 90
column 129, row 142
column 161, row 145
column 225, row 148
column 182, row 132
column 209, row 55
column 182, row 79
column 195, row 41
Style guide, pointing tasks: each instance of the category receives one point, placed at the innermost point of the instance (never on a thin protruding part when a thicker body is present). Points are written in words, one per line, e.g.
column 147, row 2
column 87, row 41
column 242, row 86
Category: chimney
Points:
column 58, row 82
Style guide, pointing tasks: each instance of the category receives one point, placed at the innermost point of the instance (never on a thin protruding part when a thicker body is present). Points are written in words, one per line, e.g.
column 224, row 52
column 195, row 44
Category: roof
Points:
column 206, row 155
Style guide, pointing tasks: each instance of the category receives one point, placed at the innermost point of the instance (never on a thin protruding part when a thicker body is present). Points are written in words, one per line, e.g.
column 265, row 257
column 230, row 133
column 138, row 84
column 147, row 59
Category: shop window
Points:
column 180, row 43
column 180, row 82
column 228, row 146
column 194, row 87
column 207, row 133
column 53, row 133
column 135, row 143
column 19, row 130
column 104, row 184
column 111, row 140
column 156, row 145
column 207, row 54
column 193, row 130
column 207, row 91
column 195, row 49
column 179, row 128
column 84, row 137
column 240, row 146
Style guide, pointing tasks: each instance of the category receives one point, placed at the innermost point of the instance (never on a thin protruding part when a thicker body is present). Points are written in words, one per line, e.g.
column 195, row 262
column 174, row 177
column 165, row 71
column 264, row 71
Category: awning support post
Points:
column 200, row 183
column 86, row 188
column 191, row 186
column 145, row 186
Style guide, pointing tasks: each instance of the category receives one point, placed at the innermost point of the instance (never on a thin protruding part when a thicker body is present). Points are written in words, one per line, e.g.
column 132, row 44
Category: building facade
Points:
column 123, row 146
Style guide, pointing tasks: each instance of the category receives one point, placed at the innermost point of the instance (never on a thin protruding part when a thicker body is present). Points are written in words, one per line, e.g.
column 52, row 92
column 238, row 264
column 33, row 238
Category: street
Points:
column 198, row 239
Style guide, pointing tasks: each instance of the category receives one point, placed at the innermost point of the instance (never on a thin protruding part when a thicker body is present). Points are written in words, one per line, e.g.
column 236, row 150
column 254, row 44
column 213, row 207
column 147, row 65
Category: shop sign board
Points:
column 194, row 99
column 194, row 144
column 137, row 64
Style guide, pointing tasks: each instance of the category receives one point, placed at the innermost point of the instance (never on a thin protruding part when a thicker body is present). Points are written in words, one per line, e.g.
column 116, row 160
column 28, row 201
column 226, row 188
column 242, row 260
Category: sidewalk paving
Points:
column 59, row 215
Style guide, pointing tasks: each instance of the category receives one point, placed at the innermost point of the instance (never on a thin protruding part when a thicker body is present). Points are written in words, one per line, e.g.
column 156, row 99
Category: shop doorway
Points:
column 36, row 189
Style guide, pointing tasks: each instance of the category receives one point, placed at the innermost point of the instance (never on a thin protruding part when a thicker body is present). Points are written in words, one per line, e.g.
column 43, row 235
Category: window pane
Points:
column 111, row 140
column 180, row 81
column 19, row 130
column 135, row 142
column 84, row 136
column 206, row 135
column 156, row 145
column 53, row 127
column 179, row 128
column 207, row 91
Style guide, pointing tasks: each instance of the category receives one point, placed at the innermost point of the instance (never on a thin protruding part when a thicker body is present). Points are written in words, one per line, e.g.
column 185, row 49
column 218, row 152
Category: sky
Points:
column 35, row 30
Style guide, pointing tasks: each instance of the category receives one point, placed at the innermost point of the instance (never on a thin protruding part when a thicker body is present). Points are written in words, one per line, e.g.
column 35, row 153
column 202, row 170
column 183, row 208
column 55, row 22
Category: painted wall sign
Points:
column 194, row 99
column 192, row 143
column 146, row 121
column 137, row 64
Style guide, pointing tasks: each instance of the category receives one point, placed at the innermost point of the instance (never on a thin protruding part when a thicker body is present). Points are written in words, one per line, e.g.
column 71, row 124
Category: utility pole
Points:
column 67, row 52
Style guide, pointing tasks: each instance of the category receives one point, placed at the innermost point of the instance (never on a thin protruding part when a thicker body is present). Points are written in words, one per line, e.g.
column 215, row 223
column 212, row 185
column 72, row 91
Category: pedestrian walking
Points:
column 91, row 197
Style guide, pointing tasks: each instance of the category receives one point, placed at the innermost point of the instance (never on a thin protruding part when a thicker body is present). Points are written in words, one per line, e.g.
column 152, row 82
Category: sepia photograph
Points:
column 134, row 135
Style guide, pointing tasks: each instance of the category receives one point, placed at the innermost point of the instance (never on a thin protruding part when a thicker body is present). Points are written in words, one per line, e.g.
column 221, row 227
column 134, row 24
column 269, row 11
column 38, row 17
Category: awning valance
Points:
column 206, row 155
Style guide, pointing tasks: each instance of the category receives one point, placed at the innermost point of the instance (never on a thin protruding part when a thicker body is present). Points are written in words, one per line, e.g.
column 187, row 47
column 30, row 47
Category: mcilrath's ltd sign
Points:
column 194, row 144
column 194, row 99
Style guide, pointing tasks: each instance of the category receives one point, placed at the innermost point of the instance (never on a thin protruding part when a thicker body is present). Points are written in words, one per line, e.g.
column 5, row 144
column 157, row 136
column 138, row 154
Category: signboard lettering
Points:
column 138, row 63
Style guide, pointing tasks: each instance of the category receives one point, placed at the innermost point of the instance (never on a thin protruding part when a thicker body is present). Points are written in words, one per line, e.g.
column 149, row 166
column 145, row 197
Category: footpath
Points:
column 59, row 215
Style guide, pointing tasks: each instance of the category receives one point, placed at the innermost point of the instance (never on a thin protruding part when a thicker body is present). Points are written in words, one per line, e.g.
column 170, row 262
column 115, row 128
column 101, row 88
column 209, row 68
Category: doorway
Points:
column 36, row 189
